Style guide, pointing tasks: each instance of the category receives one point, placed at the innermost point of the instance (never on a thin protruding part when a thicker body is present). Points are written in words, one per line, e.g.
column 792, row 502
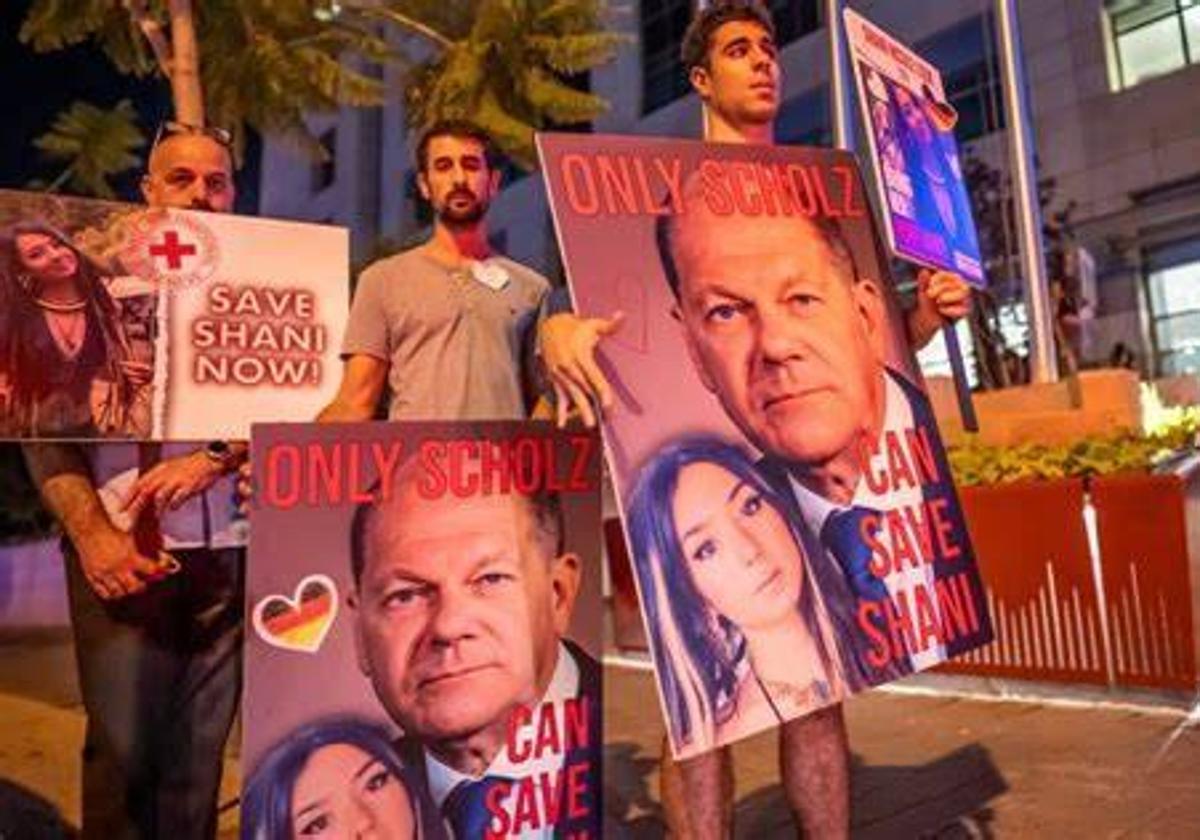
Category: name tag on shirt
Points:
column 490, row 274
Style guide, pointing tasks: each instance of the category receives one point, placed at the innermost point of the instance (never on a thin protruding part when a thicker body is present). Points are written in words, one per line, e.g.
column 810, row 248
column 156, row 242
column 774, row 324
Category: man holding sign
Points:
column 158, row 652
column 731, row 57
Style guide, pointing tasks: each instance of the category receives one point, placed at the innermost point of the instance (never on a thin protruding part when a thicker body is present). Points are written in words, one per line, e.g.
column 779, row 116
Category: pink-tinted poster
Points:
column 790, row 512
column 927, row 211
column 423, row 627
column 121, row 321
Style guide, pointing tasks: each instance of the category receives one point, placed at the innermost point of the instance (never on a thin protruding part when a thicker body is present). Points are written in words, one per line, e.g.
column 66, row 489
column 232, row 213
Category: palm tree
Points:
column 257, row 63
column 265, row 63
column 94, row 144
column 505, row 64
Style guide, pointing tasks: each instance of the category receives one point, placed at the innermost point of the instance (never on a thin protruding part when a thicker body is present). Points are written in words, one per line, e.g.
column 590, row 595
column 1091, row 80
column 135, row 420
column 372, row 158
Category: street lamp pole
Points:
column 1043, row 363
column 840, row 87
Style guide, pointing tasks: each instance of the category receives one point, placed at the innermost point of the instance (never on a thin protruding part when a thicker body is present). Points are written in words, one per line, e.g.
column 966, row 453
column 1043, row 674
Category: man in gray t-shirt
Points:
column 442, row 324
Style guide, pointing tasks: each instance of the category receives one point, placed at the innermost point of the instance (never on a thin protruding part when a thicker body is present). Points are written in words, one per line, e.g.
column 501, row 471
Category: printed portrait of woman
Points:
column 932, row 165
column 73, row 361
column 331, row 779
column 740, row 637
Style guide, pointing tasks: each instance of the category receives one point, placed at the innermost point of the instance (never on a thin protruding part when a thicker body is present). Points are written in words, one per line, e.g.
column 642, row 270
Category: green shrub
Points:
column 974, row 463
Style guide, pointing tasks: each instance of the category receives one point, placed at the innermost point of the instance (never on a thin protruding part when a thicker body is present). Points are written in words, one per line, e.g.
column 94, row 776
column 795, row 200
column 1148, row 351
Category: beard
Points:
column 461, row 214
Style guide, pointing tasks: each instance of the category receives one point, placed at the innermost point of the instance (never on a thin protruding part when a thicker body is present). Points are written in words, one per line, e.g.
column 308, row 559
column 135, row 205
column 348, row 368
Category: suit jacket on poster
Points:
column 840, row 600
column 587, row 826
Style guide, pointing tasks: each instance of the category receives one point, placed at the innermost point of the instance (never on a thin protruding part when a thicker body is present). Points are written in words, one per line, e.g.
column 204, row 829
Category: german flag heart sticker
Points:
column 299, row 623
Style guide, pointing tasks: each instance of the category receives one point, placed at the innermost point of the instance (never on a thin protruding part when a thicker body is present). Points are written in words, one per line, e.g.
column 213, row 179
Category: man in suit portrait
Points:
column 791, row 335
column 461, row 606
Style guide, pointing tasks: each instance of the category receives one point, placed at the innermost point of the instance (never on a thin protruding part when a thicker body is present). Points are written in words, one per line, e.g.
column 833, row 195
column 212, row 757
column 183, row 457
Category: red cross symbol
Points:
column 173, row 250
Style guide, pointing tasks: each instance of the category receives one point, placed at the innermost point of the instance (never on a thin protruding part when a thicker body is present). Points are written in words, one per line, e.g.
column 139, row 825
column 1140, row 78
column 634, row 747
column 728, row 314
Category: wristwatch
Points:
column 221, row 453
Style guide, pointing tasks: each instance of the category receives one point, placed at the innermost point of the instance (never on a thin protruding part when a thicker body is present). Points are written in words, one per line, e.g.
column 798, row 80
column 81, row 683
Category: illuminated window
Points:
column 1153, row 37
column 1174, row 285
column 966, row 55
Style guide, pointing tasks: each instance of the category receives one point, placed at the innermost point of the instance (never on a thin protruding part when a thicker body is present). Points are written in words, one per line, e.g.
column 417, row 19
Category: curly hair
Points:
column 697, row 40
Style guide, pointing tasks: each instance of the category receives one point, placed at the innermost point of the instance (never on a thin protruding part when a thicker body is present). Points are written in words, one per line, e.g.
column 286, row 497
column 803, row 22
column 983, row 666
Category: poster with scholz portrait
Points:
column 926, row 207
column 423, row 626
column 119, row 321
column 790, row 513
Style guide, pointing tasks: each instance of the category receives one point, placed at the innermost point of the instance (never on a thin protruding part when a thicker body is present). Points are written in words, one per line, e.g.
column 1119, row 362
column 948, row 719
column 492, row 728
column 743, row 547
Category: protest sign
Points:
column 427, row 594
column 122, row 321
column 790, row 512
column 910, row 130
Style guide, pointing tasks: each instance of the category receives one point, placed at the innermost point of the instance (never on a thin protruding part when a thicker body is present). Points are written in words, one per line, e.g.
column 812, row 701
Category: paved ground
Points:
column 944, row 767
column 936, row 767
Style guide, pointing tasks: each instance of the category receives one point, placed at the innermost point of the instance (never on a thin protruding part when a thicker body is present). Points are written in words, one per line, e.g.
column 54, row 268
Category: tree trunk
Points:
column 185, row 65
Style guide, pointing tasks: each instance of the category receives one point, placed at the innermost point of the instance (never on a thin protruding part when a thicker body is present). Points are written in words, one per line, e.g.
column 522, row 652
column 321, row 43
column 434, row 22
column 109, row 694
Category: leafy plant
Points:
column 973, row 463
column 506, row 65
column 257, row 63
column 94, row 144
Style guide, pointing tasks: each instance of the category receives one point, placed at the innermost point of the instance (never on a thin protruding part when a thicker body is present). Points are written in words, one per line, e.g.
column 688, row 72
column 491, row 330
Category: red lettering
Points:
column 921, row 451
column 900, row 625
column 617, row 185
column 500, row 824
column 433, row 481
column 283, row 464
column 880, row 653
column 881, row 561
column 581, row 447
column 580, row 185
column 493, row 462
column 898, row 466
column 918, row 523
column 902, row 547
column 325, row 472
column 547, row 734
column 741, row 176
column 575, row 722
column 462, row 485
column 948, row 549
column 850, row 208
column 716, row 193
column 519, row 749
column 957, row 606
column 802, row 183
column 928, row 625
column 577, row 780
column 673, row 178
column 525, row 814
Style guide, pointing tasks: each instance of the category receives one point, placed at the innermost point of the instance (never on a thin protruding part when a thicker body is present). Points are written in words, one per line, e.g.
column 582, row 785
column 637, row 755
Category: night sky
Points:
column 37, row 86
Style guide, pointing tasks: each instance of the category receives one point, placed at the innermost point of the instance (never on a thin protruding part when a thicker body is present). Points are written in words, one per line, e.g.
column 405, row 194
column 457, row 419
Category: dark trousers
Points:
column 160, row 674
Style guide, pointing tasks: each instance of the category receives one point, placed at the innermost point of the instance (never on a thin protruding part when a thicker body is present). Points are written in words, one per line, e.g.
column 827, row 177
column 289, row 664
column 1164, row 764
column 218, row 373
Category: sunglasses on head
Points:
column 171, row 128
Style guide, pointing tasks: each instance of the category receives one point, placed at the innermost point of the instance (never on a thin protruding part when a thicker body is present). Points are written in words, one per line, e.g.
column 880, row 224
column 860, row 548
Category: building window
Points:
column 662, row 27
column 1153, row 37
column 323, row 170
column 966, row 55
column 1173, row 279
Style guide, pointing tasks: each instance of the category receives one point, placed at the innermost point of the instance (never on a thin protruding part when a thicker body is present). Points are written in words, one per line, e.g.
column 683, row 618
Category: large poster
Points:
column 121, row 321
column 910, row 128
column 786, row 497
column 424, row 622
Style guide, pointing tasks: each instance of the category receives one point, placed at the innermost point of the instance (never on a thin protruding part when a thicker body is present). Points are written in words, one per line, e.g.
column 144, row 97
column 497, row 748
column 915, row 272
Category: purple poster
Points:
column 927, row 211
column 792, row 522
column 423, row 627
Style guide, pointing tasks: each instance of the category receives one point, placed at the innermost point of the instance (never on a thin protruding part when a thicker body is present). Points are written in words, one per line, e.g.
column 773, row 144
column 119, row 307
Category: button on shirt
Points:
column 564, row 685
column 815, row 509
column 453, row 343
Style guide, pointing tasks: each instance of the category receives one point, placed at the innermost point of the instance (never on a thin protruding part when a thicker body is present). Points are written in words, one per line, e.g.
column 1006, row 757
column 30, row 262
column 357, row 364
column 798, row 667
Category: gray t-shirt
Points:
column 452, row 342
